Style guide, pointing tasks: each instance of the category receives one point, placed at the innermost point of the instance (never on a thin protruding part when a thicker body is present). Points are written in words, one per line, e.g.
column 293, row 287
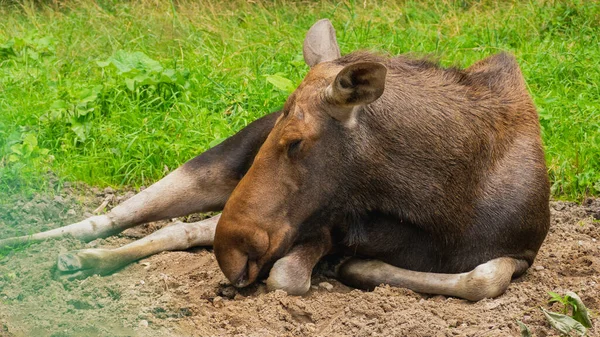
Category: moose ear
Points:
column 357, row 84
column 320, row 44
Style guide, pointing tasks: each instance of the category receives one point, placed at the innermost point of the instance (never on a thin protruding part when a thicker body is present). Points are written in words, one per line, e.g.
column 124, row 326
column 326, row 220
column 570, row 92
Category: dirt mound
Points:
column 185, row 294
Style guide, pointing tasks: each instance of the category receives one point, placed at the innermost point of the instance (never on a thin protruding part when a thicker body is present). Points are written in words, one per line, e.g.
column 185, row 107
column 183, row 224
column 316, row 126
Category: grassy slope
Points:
column 53, row 93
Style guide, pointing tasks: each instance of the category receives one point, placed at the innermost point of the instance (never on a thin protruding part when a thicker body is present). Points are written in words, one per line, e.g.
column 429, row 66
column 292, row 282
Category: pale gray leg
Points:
column 292, row 272
column 180, row 193
column 178, row 236
column 487, row 280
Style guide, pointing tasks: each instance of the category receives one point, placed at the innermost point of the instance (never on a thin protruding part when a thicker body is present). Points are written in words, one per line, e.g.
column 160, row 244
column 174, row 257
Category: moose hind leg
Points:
column 97, row 261
column 487, row 280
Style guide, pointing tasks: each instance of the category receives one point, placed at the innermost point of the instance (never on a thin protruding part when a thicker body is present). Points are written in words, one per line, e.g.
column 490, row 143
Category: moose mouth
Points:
column 243, row 269
column 253, row 270
column 247, row 275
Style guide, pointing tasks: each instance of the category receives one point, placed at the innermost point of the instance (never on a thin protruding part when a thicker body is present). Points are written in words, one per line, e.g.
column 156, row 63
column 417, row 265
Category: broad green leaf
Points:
column 555, row 297
column 281, row 83
column 103, row 64
column 130, row 83
column 31, row 140
column 143, row 79
column 580, row 313
column 130, row 64
column 81, row 129
column 13, row 158
column 83, row 111
column 55, row 114
column 564, row 323
column 58, row 104
column 87, row 95
column 6, row 49
column 168, row 76
column 525, row 332
column 33, row 54
column 43, row 42
column 17, row 148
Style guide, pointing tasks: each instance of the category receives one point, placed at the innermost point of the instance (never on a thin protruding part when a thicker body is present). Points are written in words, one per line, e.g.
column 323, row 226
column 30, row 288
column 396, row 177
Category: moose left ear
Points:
column 320, row 44
column 357, row 84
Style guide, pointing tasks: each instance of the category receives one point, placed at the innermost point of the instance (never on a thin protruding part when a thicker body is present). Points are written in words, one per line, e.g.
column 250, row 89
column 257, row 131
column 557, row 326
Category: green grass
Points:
column 65, row 108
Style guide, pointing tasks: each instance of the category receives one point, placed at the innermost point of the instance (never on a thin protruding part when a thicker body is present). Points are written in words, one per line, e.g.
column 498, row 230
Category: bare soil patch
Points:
column 185, row 293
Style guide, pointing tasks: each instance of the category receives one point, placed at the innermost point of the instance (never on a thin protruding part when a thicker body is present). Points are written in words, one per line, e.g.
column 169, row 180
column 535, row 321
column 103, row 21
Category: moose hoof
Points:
column 79, row 264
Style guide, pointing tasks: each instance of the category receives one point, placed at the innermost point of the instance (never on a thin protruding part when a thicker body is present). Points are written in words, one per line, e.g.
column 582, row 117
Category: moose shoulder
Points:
column 421, row 168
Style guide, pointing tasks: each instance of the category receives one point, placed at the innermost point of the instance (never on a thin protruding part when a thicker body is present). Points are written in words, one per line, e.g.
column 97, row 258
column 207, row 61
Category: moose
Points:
column 423, row 177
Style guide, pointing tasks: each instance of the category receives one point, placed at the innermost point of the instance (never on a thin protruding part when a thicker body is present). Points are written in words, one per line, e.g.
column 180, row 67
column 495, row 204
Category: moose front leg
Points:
column 178, row 236
column 292, row 272
column 186, row 190
column 202, row 184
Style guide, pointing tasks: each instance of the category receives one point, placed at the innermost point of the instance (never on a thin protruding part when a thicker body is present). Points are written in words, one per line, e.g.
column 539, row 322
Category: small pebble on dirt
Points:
column 143, row 323
column 217, row 302
column 559, row 206
column 71, row 212
column 538, row 268
column 326, row 285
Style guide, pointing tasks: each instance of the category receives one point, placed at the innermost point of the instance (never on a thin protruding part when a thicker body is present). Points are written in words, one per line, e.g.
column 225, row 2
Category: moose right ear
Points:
column 357, row 84
column 320, row 44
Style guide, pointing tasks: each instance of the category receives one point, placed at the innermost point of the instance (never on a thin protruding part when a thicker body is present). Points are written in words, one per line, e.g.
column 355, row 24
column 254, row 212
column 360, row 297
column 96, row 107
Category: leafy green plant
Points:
column 572, row 301
column 24, row 148
column 76, row 110
column 20, row 157
column 7, row 50
column 578, row 321
column 31, row 47
column 138, row 70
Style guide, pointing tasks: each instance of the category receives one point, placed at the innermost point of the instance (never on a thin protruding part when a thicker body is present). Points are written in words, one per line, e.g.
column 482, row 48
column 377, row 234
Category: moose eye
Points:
column 293, row 147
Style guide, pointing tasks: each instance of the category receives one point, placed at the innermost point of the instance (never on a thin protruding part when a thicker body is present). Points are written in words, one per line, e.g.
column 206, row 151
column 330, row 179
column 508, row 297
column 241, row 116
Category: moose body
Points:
column 429, row 178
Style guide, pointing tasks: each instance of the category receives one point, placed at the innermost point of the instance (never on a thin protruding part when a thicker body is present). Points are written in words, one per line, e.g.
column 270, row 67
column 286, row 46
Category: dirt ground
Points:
column 185, row 293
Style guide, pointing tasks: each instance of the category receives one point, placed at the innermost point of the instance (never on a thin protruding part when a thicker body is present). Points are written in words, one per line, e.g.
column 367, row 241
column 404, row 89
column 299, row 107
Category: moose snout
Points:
column 239, row 248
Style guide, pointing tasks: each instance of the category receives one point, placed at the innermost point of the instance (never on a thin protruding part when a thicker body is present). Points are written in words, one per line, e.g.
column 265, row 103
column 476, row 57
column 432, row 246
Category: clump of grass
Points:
column 206, row 70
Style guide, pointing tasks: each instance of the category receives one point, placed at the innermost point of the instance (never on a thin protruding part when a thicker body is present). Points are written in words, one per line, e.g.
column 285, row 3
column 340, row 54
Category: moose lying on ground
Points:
column 428, row 178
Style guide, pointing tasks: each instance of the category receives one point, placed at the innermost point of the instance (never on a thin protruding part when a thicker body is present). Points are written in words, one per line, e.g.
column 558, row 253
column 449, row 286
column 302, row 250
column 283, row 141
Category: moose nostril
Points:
column 243, row 277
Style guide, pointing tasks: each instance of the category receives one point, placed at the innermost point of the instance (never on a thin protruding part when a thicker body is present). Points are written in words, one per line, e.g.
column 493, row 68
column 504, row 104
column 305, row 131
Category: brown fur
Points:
column 443, row 172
